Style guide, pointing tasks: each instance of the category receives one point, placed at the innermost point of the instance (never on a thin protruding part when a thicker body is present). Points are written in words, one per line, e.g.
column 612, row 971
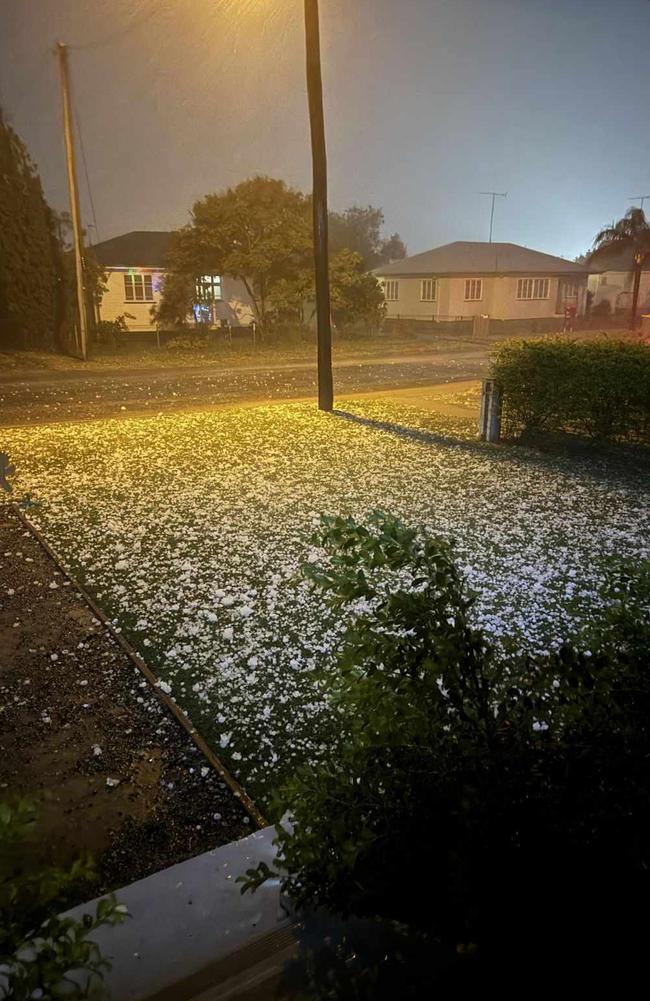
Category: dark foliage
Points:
column 32, row 293
column 38, row 948
column 595, row 389
column 486, row 822
column 360, row 229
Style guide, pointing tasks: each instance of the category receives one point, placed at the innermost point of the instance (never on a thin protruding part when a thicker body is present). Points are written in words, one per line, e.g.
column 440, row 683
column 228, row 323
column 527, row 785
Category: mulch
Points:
column 84, row 737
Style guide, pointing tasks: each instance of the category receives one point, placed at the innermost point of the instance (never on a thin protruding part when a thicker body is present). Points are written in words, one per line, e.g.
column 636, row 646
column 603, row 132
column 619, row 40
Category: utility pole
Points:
column 75, row 214
column 493, row 194
column 639, row 198
column 319, row 198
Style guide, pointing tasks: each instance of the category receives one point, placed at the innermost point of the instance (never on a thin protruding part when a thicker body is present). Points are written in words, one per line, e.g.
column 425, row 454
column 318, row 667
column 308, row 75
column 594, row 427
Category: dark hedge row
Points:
column 595, row 389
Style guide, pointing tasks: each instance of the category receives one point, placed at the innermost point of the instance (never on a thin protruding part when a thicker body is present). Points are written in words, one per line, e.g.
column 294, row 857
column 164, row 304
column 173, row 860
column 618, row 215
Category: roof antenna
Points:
column 493, row 195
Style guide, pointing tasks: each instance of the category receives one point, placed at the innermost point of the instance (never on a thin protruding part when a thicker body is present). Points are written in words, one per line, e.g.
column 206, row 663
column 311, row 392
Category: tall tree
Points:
column 258, row 232
column 32, row 283
column 356, row 296
column 631, row 233
column 392, row 249
column 360, row 229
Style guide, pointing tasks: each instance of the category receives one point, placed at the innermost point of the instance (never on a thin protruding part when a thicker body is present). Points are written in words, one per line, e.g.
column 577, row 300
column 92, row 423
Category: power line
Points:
column 87, row 176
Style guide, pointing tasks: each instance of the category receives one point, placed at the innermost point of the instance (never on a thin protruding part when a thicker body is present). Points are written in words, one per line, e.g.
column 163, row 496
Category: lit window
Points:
column 533, row 288
column 428, row 289
column 208, row 288
column 391, row 291
column 473, row 289
column 138, row 288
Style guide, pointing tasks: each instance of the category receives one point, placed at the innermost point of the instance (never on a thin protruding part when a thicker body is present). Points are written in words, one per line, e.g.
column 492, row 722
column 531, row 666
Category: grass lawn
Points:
column 191, row 528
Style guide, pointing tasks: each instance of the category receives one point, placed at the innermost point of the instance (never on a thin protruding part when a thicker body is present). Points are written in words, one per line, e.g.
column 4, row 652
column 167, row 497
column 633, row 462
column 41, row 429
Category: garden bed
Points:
column 84, row 737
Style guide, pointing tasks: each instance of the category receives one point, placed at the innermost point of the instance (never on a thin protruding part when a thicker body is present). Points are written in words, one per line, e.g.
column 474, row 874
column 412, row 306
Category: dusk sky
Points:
column 428, row 102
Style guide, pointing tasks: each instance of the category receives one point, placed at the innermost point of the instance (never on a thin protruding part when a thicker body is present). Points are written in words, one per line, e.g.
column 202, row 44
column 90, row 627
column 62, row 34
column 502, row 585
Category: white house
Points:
column 464, row 279
column 135, row 267
column 615, row 281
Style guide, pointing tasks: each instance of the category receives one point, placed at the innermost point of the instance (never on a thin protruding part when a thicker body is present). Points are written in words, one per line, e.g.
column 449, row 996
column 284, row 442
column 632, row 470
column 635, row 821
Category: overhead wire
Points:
column 87, row 176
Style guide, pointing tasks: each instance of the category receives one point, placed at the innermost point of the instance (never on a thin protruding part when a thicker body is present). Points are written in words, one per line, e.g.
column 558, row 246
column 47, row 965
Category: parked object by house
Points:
column 464, row 279
column 135, row 268
column 615, row 282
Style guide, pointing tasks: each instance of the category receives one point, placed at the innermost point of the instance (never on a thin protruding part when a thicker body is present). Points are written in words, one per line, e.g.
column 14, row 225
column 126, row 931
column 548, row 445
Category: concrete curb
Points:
column 186, row 919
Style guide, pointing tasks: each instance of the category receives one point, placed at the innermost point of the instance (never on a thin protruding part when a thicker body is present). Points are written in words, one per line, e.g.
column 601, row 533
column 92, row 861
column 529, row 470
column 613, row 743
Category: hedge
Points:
column 597, row 389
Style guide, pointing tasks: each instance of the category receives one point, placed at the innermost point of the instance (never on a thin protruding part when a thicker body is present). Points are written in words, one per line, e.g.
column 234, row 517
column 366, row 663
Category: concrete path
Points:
column 187, row 918
column 440, row 398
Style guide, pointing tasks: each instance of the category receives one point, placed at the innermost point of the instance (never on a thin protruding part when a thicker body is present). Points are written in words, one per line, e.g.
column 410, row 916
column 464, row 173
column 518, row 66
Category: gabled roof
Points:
column 465, row 257
column 140, row 249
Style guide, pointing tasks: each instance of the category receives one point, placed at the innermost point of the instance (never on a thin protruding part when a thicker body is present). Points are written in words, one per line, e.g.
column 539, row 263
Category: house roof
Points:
column 616, row 259
column 465, row 257
column 140, row 249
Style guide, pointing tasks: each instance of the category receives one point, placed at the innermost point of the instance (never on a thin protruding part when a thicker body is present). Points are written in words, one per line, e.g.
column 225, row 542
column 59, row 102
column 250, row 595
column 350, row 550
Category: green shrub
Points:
column 597, row 389
column 108, row 331
column 488, row 812
column 39, row 949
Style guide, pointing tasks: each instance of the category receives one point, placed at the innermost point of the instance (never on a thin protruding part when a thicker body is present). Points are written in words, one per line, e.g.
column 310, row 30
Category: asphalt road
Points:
column 49, row 397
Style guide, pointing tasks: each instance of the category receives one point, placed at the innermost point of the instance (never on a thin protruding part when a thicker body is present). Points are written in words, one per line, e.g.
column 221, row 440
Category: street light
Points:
column 319, row 198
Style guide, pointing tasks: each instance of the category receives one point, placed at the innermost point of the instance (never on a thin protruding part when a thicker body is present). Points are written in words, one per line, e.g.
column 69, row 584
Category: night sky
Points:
column 428, row 102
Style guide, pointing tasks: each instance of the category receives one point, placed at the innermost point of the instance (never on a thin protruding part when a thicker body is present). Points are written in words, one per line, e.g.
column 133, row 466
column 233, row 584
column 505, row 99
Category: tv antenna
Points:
column 639, row 198
column 499, row 194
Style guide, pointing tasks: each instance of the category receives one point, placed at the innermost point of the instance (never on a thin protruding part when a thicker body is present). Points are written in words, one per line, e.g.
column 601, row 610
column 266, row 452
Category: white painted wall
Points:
column 616, row 287
column 499, row 299
column 114, row 302
column 235, row 303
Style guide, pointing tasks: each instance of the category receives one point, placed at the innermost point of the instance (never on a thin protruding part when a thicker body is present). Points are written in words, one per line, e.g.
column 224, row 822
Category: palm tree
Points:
column 632, row 232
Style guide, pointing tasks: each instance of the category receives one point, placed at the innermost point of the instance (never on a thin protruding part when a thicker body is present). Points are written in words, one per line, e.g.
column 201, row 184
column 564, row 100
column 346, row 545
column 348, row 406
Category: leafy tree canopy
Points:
column 360, row 229
column 32, row 296
column 260, row 232
column 632, row 233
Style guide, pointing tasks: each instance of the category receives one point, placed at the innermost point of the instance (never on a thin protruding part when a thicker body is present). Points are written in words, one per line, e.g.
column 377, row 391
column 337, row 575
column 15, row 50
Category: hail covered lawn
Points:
column 191, row 529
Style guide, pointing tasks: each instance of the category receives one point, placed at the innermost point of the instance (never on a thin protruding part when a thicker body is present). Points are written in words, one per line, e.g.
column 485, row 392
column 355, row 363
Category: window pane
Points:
column 138, row 288
column 128, row 288
column 148, row 287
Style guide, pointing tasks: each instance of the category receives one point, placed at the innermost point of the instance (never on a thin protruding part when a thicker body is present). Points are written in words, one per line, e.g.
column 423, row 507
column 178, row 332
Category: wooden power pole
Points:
column 321, row 248
column 75, row 214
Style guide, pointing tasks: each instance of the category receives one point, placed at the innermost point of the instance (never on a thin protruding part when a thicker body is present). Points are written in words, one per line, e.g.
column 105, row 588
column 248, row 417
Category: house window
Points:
column 208, row 288
column 391, row 291
column 428, row 289
column 533, row 288
column 138, row 288
column 473, row 289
